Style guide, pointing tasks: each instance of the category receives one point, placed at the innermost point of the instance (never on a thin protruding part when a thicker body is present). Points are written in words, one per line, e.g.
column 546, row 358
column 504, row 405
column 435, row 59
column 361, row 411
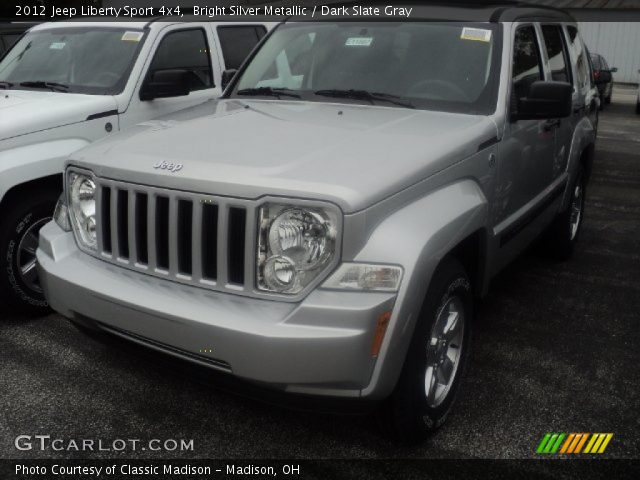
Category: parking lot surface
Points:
column 555, row 350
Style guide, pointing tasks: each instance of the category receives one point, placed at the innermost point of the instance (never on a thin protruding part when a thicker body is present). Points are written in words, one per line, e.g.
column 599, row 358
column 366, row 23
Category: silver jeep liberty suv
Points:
column 324, row 227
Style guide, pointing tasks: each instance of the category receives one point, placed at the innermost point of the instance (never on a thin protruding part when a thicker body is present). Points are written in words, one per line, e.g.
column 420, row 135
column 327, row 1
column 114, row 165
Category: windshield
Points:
column 436, row 66
column 81, row 60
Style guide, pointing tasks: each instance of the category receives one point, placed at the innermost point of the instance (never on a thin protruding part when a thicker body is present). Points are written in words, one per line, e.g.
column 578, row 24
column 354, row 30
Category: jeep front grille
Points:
column 191, row 238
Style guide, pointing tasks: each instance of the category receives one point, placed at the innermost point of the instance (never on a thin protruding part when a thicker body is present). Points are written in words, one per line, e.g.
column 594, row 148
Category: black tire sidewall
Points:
column 413, row 416
column 20, row 218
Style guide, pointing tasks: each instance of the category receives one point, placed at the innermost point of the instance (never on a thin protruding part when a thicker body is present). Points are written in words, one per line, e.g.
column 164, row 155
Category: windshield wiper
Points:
column 4, row 84
column 372, row 97
column 53, row 86
column 268, row 91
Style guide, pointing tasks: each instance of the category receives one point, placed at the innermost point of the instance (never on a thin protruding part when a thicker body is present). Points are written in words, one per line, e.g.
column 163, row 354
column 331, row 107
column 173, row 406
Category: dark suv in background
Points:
column 602, row 74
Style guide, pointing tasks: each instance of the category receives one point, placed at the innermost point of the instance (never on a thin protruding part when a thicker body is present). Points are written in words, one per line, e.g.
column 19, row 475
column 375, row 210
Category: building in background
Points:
column 619, row 43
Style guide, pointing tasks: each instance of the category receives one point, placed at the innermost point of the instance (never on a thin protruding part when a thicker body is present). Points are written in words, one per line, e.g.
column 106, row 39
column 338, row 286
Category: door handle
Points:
column 551, row 124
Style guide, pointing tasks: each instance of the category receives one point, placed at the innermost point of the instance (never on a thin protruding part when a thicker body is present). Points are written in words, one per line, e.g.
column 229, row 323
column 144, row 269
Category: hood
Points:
column 29, row 111
column 352, row 155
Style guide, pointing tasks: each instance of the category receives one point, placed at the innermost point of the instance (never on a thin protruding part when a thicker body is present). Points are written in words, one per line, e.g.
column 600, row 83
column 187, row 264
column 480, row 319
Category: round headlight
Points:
column 302, row 236
column 280, row 273
column 83, row 208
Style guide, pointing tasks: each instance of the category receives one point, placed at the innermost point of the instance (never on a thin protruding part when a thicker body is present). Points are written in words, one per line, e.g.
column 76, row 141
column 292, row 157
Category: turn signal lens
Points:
column 381, row 329
column 365, row 277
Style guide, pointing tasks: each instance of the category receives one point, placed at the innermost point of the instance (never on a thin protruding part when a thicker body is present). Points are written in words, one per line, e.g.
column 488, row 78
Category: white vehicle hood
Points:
column 352, row 155
column 28, row 111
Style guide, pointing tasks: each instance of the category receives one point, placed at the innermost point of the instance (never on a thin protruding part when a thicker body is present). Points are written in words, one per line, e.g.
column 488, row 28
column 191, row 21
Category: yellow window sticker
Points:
column 131, row 36
column 476, row 34
column 359, row 42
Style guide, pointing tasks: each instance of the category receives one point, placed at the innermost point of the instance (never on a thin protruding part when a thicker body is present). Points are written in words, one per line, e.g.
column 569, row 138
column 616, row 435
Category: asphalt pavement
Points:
column 555, row 350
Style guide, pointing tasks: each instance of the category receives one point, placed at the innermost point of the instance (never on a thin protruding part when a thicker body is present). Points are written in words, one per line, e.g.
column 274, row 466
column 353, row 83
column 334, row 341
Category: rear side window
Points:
column 582, row 64
column 527, row 67
column 556, row 53
column 185, row 50
column 238, row 41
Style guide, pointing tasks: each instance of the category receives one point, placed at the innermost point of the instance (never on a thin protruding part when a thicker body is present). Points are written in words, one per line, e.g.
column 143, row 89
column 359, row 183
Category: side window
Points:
column 237, row 42
column 582, row 64
column 556, row 53
column 185, row 50
column 527, row 67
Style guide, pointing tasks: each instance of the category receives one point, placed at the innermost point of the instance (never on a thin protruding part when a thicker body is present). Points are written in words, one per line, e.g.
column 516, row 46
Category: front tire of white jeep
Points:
column 436, row 358
column 19, row 229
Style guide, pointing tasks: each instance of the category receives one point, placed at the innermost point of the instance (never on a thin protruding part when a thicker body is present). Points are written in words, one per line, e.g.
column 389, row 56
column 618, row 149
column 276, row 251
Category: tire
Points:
column 18, row 239
column 638, row 107
column 409, row 416
column 562, row 235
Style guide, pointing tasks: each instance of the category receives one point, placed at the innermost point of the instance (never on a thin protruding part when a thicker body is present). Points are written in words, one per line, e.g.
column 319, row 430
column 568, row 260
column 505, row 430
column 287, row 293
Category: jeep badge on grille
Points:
column 172, row 167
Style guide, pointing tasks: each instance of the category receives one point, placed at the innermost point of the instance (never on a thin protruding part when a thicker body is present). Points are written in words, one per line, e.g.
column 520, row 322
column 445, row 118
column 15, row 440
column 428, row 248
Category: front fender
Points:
column 31, row 162
column 417, row 237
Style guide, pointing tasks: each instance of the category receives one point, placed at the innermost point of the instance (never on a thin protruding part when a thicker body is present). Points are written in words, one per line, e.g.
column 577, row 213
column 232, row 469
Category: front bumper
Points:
column 320, row 346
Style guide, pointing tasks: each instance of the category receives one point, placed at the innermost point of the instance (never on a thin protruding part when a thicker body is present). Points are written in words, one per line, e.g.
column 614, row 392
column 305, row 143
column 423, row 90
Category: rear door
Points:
column 557, row 54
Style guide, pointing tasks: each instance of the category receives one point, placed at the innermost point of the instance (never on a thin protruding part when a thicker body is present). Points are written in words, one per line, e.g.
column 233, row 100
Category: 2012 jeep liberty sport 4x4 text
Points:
column 324, row 227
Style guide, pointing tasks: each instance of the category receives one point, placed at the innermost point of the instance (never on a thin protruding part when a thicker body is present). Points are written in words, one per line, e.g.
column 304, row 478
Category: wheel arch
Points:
column 15, row 193
column 450, row 221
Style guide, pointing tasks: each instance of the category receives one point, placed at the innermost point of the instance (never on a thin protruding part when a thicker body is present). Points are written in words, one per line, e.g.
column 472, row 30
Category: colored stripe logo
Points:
column 573, row 443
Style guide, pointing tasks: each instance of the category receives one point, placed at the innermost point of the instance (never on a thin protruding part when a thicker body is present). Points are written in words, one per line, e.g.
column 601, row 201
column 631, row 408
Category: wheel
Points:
column 436, row 358
column 19, row 231
column 638, row 107
column 563, row 233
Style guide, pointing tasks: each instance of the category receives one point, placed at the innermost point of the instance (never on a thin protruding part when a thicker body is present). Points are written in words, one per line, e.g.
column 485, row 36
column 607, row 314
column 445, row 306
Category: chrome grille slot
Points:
column 122, row 223
column 209, row 241
column 162, row 232
column 185, row 229
column 191, row 238
column 237, row 221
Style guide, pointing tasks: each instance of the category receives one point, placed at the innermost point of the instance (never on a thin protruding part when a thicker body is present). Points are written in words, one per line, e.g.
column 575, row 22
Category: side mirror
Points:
column 227, row 76
column 546, row 100
column 165, row 84
column 614, row 70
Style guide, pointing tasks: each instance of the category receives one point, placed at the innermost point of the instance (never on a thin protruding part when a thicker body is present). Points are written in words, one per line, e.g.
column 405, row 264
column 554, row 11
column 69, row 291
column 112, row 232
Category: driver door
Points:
column 180, row 47
column 525, row 155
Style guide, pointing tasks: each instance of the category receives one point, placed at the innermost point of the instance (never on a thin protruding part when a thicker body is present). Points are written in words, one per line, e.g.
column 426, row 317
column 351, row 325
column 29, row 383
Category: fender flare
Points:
column 417, row 237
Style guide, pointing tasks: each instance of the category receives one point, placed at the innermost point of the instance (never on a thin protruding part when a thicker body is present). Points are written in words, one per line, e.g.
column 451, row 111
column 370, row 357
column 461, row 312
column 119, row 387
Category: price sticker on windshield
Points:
column 359, row 42
column 476, row 34
column 57, row 46
column 131, row 36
